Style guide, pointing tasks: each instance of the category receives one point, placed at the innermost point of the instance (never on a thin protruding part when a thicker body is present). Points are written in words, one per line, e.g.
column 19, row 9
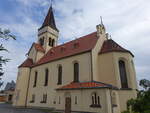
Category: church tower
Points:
column 48, row 32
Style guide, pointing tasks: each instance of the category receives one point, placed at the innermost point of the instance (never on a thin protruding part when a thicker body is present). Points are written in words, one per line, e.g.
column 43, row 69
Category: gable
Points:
column 78, row 46
column 27, row 63
column 37, row 47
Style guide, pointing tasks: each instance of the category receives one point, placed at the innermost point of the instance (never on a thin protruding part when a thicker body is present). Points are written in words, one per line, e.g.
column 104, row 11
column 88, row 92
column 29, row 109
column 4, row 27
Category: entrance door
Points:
column 68, row 105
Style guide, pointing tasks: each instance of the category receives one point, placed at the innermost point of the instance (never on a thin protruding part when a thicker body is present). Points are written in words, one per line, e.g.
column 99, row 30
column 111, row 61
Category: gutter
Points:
column 27, row 88
column 35, row 65
column 111, row 101
column 91, row 66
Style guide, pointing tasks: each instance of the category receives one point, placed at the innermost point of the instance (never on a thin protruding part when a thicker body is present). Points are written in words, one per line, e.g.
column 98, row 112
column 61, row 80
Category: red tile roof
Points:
column 85, row 85
column 38, row 47
column 50, row 20
column 80, row 45
column 112, row 46
column 27, row 63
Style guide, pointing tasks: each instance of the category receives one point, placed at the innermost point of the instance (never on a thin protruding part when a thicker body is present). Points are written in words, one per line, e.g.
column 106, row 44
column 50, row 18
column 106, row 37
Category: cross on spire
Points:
column 51, row 2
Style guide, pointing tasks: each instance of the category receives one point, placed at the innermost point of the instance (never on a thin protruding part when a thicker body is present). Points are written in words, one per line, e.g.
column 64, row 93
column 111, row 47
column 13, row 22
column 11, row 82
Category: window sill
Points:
column 114, row 105
column 125, row 88
column 43, row 102
column 75, row 82
column 31, row 101
column 95, row 106
column 59, row 83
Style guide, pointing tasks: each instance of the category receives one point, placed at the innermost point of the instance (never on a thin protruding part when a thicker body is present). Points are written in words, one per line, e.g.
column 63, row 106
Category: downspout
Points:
column 28, row 88
column 91, row 66
column 111, row 101
column 16, row 89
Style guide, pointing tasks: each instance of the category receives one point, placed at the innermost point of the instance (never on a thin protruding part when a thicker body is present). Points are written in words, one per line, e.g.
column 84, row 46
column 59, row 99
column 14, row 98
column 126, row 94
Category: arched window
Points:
column 98, row 100
column 59, row 75
column 35, row 78
column 50, row 41
column 44, row 99
column 46, row 77
column 53, row 42
column 114, row 99
column 76, row 72
column 41, row 41
column 59, row 100
column 123, row 74
column 75, row 99
column 33, row 98
column 95, row 100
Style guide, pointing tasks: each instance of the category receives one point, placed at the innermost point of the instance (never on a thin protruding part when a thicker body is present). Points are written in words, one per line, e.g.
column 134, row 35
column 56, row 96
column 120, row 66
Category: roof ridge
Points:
column 69, row 52
column 74, row 40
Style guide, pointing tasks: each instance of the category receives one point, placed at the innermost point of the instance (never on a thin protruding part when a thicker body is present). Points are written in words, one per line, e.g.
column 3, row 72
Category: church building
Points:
column 89, row 74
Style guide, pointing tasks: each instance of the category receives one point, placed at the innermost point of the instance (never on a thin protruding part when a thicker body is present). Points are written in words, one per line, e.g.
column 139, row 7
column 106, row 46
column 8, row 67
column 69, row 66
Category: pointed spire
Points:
column 101, row 20
column 49, row 19
column 103, row 26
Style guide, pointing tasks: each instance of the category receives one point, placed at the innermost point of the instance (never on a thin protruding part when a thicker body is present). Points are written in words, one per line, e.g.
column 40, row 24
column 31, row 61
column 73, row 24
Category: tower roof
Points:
column 50, row 20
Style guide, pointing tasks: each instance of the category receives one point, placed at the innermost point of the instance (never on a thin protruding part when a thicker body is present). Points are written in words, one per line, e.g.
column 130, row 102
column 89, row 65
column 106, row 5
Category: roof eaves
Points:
column 61, row 58
column 98, row 87
column 126, row 51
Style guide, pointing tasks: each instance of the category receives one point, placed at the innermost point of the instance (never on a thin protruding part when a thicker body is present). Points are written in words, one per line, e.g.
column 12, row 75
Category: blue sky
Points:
column 127, row 21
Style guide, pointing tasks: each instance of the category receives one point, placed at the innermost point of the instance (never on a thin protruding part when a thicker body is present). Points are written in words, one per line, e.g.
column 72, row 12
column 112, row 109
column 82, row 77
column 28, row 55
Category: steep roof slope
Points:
column 74, row 47
column 80, row 45
column 37, row 47
column 112, row 46
column 85, row 85
column 50, row 20
column 27, row 63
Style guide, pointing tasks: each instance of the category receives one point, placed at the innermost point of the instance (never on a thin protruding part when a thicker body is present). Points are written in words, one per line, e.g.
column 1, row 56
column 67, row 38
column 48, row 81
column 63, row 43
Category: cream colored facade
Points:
column 92, row 67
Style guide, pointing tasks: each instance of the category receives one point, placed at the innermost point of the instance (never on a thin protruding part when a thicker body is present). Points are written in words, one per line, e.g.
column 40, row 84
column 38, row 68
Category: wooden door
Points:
column 68, row 105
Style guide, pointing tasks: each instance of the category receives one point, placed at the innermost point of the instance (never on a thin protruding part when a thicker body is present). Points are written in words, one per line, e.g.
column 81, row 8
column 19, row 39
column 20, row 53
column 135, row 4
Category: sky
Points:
column 127, row 21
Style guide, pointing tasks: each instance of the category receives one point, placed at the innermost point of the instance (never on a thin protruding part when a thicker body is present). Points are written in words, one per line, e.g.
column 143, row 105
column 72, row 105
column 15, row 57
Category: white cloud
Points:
column 128, row 21
column 34, row 2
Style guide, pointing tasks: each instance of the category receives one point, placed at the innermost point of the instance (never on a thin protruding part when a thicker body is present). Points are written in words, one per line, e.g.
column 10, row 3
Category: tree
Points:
column 4, row 35
column 142, row 103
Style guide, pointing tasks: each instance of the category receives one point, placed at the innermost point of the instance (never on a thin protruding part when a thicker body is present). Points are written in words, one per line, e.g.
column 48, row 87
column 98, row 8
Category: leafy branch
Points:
column 142, row 103
column 4, row 35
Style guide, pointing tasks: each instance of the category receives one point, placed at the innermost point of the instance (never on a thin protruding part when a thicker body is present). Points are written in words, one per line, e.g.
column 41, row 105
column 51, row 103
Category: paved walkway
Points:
column 6, row 108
